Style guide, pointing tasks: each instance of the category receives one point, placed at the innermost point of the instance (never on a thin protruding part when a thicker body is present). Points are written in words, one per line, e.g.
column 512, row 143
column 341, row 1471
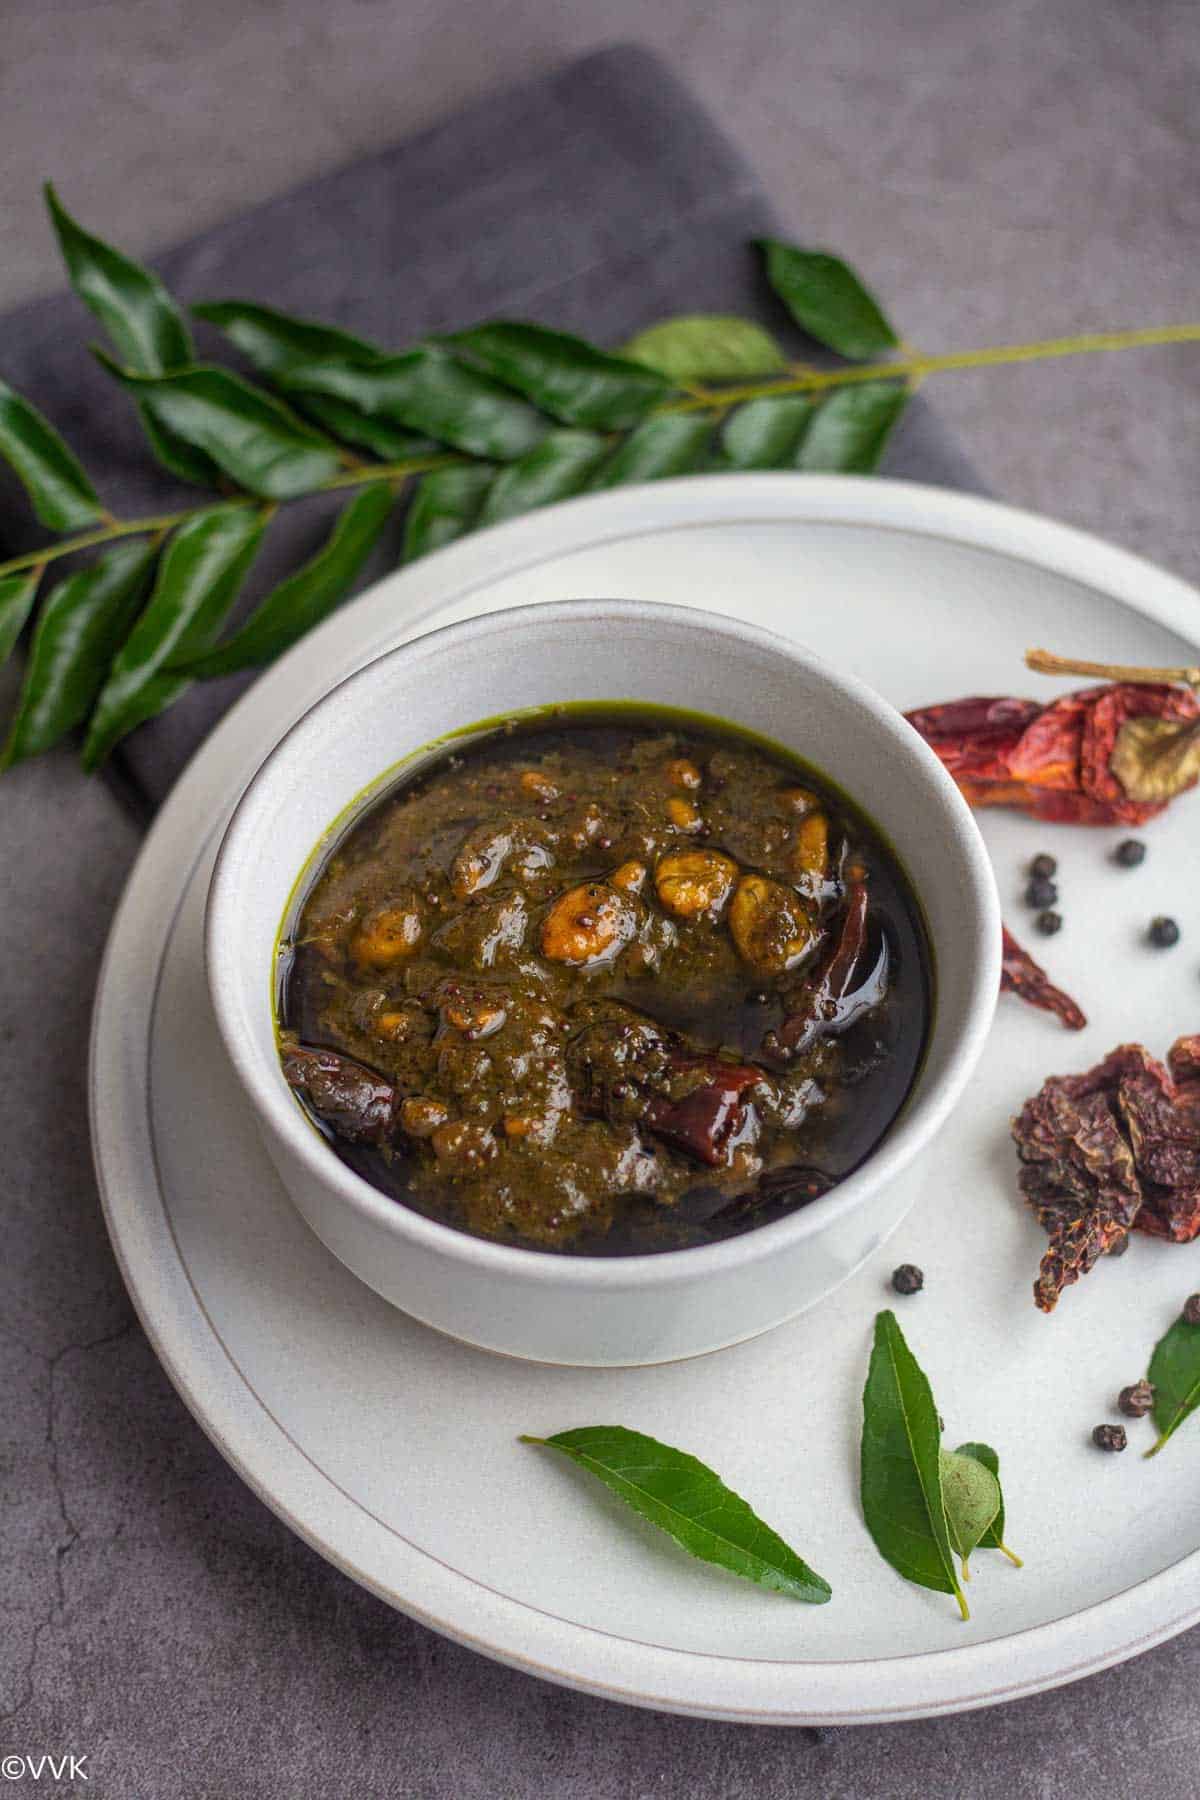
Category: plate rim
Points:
column 171, row 1311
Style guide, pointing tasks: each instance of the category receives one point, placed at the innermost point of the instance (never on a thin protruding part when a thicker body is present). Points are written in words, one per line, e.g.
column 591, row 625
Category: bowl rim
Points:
column 923, row 1114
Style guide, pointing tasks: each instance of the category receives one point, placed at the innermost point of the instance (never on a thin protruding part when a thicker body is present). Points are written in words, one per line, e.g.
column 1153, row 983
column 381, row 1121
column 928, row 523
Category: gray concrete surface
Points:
column 1003, row 172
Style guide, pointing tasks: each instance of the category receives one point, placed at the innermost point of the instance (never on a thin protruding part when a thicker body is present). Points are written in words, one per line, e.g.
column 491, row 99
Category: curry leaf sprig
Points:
column 681, row 1496
column 922, row 1505
column 464, row 430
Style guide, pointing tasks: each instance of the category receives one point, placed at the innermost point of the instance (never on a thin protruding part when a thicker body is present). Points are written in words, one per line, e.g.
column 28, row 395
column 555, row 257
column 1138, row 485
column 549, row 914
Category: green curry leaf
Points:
column 184, row 462
column 675, row 444
column 993, row 1537
column 306, row 597
column 1175, row 1375
column 61, row 494
column 691, row 1504
column 199, row 577
column 706, row 347
column 554, row 469
column 143, row 321
column 826, row 298
column 146, row 326
column 565, row 376
column 257, row 441
column 767, row 433
column 850, row 430
column 274, row 340
column 445, row 506
column 389, row 442
column 17, row 595
column 901, row 1481
column 429, row 391
column 971, row 1497
column 80, row 628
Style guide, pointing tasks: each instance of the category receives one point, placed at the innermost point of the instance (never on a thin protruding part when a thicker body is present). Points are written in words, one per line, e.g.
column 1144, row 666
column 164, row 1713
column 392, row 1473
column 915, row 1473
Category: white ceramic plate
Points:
column 394, row 1452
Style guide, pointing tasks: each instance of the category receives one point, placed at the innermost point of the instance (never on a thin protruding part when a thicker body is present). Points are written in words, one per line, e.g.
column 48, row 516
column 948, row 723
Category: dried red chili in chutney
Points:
column 1113, row 1150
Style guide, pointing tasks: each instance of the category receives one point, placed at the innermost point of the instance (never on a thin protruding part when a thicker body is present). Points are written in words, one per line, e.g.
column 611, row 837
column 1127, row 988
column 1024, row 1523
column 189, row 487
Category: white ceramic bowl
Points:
column 572, row 1309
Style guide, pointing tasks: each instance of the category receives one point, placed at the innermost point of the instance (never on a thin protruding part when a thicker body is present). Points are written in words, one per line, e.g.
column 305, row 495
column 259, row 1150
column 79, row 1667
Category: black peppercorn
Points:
column 1049, row 922
column 1041, row 892
column 1135, row 1402
column 1191, row 1310
column 1163, row 932
column 1109, row 1437
column 1043, row 865
column 908, row 1279
column 1130, row 853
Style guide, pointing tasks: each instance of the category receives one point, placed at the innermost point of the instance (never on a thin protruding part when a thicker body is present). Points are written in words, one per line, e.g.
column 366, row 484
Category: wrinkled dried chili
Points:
column 1100, row 756
column 1020, row 975
column 1107, row 755
column 1113, row 1150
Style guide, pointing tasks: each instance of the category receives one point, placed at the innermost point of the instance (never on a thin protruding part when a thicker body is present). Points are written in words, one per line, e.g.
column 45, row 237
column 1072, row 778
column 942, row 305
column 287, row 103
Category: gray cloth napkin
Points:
column 598, row 199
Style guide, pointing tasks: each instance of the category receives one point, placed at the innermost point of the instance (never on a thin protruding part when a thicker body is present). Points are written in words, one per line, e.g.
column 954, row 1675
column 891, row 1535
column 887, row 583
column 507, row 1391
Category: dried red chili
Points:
column 359, row 1104
column 1114, row 1149
column 841, row 986
column 1020, row 975
column 703, row 1121
column 1162, row 1119
column 1101, row 756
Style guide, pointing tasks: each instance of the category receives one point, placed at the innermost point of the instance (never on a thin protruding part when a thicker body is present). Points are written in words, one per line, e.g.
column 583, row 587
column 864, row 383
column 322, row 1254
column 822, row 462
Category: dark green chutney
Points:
column 607, row 980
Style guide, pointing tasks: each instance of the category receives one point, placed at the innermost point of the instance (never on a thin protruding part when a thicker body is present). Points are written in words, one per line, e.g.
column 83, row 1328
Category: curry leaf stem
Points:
column 804, row 378
column 800, row 378
column 1045, row 662
column 119, row 528
column 366, row 475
